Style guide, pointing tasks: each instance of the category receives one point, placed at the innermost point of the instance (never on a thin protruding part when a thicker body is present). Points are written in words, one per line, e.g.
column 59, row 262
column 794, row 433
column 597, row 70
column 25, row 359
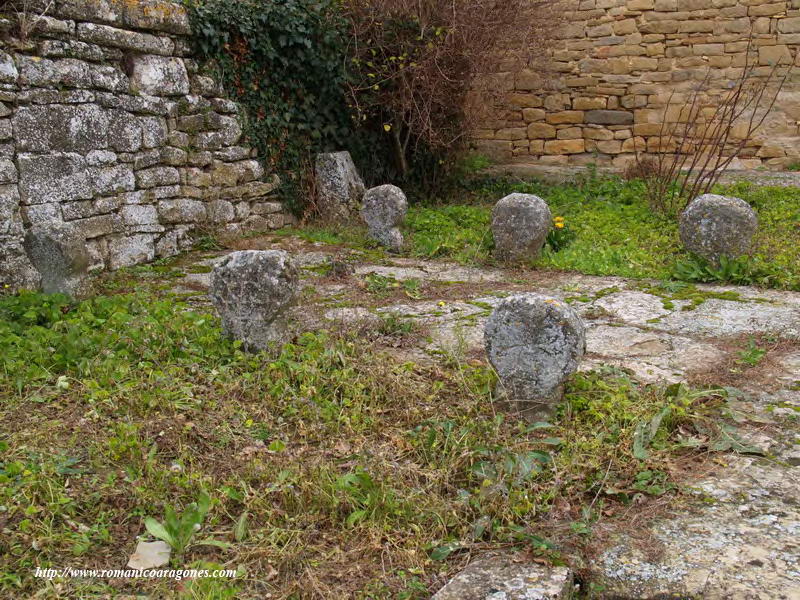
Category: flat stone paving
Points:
column 741, row 538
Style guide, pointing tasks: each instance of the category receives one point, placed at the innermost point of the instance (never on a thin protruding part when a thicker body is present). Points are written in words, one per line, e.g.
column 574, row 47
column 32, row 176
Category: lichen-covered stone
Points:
column 159, row 76
column 520, row 224
column 77, row 128
column 535, row 343
column 507, row 577
column 383, row 209
column 252, row 291
column 122, row 38
column 92, row 118
column 157, row 176
column 182, row 210
column 339, row 186
column 129, row 250
column 8, row 70
column 56, row 177
column 714, row 226
column 60, row 256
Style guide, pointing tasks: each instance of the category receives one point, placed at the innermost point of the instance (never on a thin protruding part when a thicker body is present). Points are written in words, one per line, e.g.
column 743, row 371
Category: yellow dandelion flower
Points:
column 558, row 219
column 559, row 226
column 442, row 303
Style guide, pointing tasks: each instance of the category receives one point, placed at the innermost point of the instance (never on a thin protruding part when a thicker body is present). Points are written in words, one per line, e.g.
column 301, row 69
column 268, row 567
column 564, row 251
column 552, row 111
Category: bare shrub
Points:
column 414, row 64
column 701, row 137
column 28, row 13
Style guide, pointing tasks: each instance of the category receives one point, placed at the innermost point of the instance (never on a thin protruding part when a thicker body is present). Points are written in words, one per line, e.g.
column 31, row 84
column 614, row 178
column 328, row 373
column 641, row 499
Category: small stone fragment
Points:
column 61, row 257
column 339, row 186
column 714, row 226
column 505, row 578
column 252, row 291
column 535, row 343
column 149, row 555
column 520, row 224
column 384, row 209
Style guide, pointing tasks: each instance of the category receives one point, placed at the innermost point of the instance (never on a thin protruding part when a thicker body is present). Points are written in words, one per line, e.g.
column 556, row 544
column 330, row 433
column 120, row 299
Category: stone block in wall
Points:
column 57, row 177
column 42, row 72
column 70, row 49
column 564, row 146
column 228, row 135
column 159, row 76
column 164, row 191
column 265, row 208
column 126, row 251
column 533, row 114
column 8, row 171
column 41, row 214
column 774, row 55
column 77, row 128
column 154, row 131
column 10, row 219
column 232, row 153
column 541, row 131
column 105, row 35
column 146, row 158
column 97, row 226
column 789, row 25
column 112, row 180
column 566, row 116
column 8, row 70
column 585, row 103
column 157, row 176
column 570, row 133
column 135, row 216
column 174, row 157
column 156, row 15
column 609, row 117
column 182, row 210
column 220, row 211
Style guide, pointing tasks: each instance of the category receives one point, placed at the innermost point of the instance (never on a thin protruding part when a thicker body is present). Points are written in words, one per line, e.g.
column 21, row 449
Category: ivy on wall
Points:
column 282, row 60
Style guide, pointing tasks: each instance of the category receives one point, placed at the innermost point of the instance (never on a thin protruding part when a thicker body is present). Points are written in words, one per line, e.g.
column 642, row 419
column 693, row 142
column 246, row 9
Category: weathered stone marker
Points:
column 534, row 343
column 713, row 226
column 252, row 291
column 339, row 186
column 59, row 254
column 384, row 209
column 520, row 224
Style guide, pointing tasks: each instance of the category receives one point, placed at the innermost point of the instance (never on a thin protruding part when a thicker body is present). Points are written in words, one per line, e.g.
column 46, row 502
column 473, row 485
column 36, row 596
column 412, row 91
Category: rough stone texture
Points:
column 739, row 538
column 94, row 128
column 60, row 256
column 534, row 342
column 339, row 186
column 384, row 208
column 618, row 64
column 252, row 290
column 714, row 226
column 505, row 577
column 520, row 224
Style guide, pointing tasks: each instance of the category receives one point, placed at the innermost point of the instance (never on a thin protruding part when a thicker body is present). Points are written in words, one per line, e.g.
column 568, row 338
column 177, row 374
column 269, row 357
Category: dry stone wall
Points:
column 615, row 64
column 108, row 124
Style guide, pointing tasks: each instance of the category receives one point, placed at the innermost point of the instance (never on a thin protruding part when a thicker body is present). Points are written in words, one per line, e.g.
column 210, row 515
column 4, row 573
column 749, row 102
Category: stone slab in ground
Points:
column 740, row 541
column 506, row 577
